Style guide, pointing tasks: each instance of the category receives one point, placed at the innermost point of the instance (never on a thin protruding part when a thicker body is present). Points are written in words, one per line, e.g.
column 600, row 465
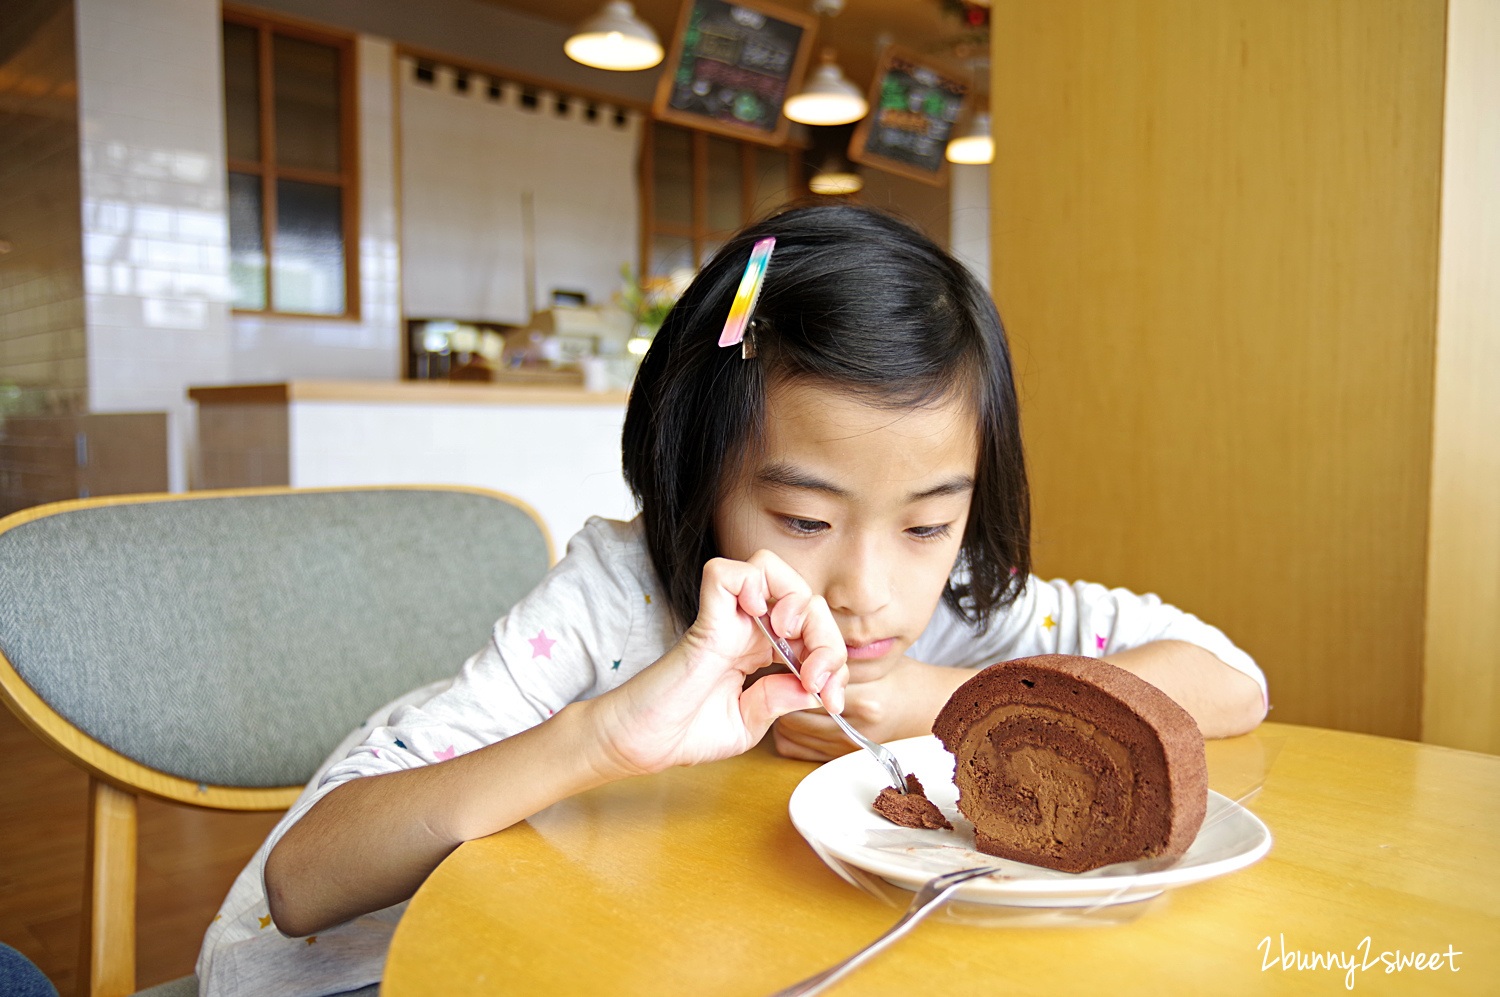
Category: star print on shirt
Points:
column 541, row 645
column 265, row 922
column 400, row 743
column 1099, row 642
column 311, row 939
column 616, row 666
column 1049, row 623
column 648, row 600
column 443, row 754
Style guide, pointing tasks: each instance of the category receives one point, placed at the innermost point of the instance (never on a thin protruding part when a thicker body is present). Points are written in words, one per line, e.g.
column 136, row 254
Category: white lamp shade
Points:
column 828, row 99
column 975, row 145
column 615, row 39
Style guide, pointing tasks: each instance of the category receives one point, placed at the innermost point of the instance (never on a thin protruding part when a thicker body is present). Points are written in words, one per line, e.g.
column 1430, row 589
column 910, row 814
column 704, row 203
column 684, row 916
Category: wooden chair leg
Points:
column 106, row 955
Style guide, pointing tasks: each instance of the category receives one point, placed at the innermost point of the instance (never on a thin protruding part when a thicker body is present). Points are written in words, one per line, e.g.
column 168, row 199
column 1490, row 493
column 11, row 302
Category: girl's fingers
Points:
column 793, row 742
column 730, row 586
column 771, row 697
column 766, row 583
column 824, row 657
column 807, row 617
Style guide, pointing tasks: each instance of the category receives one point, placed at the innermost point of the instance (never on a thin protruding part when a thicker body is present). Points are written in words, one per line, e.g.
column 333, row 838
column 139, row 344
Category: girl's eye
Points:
column 804, row 527
column 930, row 532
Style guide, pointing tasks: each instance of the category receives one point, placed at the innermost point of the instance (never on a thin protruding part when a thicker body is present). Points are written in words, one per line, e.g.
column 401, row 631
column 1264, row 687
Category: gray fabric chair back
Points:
column 235, row 640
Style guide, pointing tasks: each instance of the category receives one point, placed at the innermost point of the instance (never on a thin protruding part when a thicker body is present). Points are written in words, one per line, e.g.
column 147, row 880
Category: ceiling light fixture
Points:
column 974, row 145
column 836, row 176
column 615, row 38
column 828, row 98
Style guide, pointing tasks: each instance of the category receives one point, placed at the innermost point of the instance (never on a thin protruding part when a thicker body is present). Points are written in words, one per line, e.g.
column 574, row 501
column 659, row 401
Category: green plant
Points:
column 647, row 302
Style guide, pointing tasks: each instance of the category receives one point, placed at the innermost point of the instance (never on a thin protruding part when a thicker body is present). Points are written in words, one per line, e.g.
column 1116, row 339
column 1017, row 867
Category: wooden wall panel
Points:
column 1461, row 700
column 1215, row 239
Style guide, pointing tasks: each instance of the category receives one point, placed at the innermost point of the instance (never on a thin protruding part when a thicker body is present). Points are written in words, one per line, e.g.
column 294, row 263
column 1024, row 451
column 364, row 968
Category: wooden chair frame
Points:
column 107, row 947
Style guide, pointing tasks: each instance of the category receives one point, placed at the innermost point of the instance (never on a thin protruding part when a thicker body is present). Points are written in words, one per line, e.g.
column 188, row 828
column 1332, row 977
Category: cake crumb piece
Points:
column 911, row 809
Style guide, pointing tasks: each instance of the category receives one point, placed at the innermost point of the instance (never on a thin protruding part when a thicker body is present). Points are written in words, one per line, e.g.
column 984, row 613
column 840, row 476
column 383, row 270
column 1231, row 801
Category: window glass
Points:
column 672, row 169
column 309, row 257
column 307, row 104
column 247, row 250
column 725, row 189
column 241, row 93
column 771, row 188
column 670, row 253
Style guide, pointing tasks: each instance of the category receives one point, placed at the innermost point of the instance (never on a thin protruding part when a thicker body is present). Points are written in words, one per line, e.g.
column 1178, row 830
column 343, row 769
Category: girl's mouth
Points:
column 868, row 652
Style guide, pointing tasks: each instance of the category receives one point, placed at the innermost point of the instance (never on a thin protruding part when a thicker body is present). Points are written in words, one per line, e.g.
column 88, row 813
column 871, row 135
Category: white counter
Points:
column 557, row 449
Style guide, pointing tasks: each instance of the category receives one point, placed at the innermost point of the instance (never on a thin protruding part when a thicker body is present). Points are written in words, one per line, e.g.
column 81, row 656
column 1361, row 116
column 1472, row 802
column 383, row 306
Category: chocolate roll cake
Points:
column 1073, row 763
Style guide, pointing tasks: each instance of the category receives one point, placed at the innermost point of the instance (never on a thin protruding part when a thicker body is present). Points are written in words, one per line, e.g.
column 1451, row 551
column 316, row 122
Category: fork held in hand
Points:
column 928, row 899
column 883, row 754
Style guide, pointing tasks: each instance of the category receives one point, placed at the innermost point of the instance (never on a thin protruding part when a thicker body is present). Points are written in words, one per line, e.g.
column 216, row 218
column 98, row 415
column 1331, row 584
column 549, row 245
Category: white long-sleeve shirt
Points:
column 597, row 619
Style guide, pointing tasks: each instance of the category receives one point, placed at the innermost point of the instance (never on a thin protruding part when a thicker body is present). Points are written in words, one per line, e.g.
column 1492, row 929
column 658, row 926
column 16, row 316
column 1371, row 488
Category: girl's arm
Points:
column 372, row 841
column 1224, row 701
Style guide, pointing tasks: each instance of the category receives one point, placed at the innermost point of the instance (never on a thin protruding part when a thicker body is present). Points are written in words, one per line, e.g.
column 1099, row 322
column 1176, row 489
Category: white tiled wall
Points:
column 275, row 349
column 563, row 460
column 155, row 237
column 155, row 228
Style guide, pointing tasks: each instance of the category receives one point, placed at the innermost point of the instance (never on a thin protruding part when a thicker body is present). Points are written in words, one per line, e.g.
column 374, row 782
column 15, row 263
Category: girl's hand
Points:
column 901, row 703
column 691, row 705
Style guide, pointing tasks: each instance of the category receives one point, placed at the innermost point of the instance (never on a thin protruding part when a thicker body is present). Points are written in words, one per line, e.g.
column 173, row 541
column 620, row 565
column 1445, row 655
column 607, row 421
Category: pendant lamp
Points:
column 975, row 144
column 828, row 98
column 836, row 176
column 615, row 38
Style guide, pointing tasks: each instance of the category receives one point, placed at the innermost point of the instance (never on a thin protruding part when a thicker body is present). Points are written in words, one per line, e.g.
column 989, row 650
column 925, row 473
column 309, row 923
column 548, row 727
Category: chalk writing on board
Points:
column 734, row 66
column 915, row 107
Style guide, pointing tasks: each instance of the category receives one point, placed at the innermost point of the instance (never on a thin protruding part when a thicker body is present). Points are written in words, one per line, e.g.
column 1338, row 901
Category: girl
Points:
column 854, row 466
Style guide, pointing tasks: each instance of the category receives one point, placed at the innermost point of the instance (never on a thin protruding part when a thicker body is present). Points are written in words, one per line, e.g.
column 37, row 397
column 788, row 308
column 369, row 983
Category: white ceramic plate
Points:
column 832, row 809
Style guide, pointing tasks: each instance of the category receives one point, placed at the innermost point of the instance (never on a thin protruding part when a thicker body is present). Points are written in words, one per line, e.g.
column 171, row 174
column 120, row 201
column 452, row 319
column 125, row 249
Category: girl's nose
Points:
column 857, row 585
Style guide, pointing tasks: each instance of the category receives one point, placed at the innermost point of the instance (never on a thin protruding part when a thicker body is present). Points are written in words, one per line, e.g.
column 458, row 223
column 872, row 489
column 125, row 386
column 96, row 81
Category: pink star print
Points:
column 541, row 644
column 1098, row 640
column 443, row 754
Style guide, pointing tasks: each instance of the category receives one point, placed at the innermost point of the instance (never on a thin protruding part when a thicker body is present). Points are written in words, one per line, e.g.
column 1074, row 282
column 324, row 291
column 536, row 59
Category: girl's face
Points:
column 868, row 504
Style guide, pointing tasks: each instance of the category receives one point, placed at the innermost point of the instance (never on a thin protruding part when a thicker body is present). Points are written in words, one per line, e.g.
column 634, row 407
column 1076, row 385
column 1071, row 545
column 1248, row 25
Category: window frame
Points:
column 269, row 171
column 698, row 232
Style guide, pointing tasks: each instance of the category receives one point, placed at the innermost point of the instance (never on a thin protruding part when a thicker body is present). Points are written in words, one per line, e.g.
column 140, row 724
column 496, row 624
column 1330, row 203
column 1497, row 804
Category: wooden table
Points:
column 695, row 883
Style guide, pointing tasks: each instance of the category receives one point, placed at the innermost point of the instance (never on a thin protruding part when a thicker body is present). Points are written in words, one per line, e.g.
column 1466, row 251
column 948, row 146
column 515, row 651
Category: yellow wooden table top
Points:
column 694, row 882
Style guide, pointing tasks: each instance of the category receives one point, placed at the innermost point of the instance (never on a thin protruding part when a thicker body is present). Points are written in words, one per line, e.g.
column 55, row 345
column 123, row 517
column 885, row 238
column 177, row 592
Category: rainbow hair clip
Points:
column 743, row 308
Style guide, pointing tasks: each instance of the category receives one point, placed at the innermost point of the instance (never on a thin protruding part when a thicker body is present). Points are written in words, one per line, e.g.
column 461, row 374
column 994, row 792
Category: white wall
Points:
column 155, row 235
column 468, row 162
column 275, row 349
column 970, row 225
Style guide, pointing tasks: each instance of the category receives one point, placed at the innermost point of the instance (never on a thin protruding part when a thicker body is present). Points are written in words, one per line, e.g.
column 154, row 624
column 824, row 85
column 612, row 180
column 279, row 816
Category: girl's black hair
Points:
column 854, row 299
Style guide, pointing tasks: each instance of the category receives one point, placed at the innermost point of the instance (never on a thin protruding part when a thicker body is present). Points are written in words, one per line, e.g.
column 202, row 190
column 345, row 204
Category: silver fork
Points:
column 884, row 755
column 928, row 899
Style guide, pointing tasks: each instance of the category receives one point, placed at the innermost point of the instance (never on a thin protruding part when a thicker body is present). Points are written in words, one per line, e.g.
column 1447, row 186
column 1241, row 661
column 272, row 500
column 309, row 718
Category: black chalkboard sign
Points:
column 732, row 66
column 914, row 106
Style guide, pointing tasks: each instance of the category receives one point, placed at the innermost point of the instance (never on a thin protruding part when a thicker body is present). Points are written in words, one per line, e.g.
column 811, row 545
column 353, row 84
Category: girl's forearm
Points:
column 1224, row 701
column 371, row 842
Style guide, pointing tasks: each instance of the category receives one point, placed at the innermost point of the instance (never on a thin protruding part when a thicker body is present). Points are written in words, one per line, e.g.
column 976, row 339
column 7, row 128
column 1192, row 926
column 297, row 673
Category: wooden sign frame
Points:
column 663, row 111
column 890, row 58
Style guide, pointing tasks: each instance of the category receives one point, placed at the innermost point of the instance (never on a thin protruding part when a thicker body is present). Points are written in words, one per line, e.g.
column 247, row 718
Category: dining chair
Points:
column 211, row 648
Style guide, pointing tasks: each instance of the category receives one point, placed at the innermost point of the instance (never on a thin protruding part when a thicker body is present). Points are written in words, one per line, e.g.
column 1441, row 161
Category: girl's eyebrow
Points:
column 962, row 483
column 790, row 476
